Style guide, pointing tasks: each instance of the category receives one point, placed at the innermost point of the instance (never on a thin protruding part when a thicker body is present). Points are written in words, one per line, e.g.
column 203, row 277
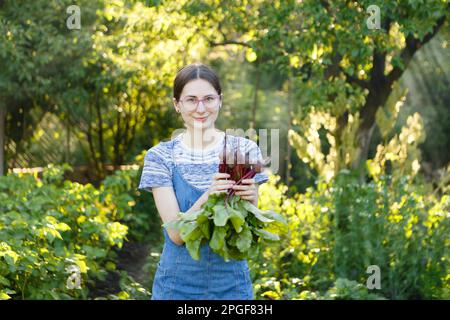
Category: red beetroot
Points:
column 238, row 166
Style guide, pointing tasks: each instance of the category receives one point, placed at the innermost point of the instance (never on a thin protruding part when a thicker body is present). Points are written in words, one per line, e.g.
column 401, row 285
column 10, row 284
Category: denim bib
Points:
column 179, row 277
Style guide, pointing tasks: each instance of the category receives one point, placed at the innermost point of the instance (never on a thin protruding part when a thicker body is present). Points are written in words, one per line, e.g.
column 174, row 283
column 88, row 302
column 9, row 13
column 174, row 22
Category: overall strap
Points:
column 172, row 150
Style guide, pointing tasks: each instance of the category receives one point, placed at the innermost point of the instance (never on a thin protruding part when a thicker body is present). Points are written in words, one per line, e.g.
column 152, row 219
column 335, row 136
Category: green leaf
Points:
column 175, row 224
column 233, row 239
column 186, row 230
column 193, row 248
column 206, row 229
column 4, row 296
column 4, row 281
column 220, row 215
column 218, row 238
column 193, row 235
column 267, row 235
column 254, row 250
column 234, row 253
column 275, row 216
column 191, row 216
column 244, row 240
column 203, row 218
column 237, row 219
column 256, row 212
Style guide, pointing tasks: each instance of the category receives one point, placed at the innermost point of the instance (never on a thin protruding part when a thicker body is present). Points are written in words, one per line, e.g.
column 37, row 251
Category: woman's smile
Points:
column 201, row 119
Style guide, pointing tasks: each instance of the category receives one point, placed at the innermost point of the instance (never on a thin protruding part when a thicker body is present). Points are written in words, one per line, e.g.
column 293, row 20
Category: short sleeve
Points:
column 156, row 172
column 256, row 156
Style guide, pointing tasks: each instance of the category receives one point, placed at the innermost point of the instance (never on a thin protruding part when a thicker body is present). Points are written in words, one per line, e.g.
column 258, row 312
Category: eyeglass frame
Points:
column 201, row 100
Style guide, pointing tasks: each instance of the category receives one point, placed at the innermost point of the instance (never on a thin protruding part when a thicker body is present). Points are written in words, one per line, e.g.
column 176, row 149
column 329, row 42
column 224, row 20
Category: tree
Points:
column 351, row 67
column 36, row 61
column 109, row 81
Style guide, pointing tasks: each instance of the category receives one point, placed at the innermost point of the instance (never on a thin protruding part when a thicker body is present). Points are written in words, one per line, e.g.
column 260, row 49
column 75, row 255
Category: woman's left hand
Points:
column 247, row 190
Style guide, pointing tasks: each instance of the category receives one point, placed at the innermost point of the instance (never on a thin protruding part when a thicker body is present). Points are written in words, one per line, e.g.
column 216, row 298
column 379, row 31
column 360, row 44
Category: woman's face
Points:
column 202, row 117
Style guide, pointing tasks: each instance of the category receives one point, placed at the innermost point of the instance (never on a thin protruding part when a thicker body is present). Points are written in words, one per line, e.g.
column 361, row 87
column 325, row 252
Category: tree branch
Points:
column 412, row 45
column 226, row 42
column 333, row 69
column 355, row 80
column 379, row 65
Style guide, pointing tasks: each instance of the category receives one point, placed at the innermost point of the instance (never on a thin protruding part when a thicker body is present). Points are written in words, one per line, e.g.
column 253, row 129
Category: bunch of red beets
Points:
column 238, row 166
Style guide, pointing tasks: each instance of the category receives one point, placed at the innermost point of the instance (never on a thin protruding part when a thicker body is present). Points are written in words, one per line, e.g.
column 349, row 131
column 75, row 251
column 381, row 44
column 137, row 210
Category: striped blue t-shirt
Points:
column 196, row 166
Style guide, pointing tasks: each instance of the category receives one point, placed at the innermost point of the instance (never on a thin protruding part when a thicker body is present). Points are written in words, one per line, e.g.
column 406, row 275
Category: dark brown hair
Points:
column 195, row 71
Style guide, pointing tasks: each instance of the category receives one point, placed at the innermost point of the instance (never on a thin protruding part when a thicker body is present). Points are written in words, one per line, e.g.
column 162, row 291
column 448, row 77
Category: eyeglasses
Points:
column 190, row 103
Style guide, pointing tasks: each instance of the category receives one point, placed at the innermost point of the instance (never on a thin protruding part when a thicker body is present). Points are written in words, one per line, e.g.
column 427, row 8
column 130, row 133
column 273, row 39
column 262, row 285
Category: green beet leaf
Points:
column 205, row 227
column 267, row 235
column 218, row 238
column 220, row 215
column 191, row 216
column 193, row 248
column 188, row 231
column 233, row 231
column 256, row 212
column 278, row 218
column 244, row 240
column 237, row 219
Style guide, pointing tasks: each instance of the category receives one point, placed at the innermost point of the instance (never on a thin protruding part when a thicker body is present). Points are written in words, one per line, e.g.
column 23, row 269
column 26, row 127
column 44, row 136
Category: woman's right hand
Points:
column 219, row 184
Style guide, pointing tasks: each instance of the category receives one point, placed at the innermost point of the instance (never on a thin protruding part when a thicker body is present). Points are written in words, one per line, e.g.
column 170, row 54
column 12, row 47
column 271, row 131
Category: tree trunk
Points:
column 117, row 139
column 67, row 155
column 379, row 89
column 89, row 136
column 375, row 100
column 100, row 133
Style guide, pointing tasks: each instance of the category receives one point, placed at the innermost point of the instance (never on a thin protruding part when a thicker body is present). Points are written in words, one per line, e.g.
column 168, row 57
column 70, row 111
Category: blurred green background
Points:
column 364, row 140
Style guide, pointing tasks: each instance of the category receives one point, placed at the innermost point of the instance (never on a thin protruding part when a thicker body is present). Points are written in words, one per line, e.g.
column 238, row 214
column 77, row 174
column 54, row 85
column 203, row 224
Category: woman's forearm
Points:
column 200, row 201
column 174, row 235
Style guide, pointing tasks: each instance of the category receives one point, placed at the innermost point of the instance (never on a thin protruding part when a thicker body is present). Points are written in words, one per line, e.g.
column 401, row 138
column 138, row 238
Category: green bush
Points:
column 345, row 289
column 53, row 230
column 138, row 208
column 338, row 229
column 130, row 290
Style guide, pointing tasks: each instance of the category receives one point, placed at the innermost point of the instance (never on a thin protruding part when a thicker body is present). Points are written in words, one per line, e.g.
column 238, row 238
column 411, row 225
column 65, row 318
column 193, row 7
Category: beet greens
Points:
column 234, row 228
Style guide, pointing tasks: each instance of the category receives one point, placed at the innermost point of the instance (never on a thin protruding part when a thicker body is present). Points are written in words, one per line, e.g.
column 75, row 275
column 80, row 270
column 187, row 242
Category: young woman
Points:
column 181, row 174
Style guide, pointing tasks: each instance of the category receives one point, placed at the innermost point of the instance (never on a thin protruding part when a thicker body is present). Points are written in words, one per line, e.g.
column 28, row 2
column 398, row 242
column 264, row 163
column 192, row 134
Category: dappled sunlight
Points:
column 350, row 98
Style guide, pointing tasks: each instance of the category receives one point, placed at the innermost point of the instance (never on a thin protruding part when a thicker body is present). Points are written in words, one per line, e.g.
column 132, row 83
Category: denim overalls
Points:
column 179, row 277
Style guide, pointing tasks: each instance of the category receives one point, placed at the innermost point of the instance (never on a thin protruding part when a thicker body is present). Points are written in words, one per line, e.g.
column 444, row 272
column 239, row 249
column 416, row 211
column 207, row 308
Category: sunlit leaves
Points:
column 310, row 149
column 47, row 230
column 337, row 229
column 401, row 151
column 250, row 55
